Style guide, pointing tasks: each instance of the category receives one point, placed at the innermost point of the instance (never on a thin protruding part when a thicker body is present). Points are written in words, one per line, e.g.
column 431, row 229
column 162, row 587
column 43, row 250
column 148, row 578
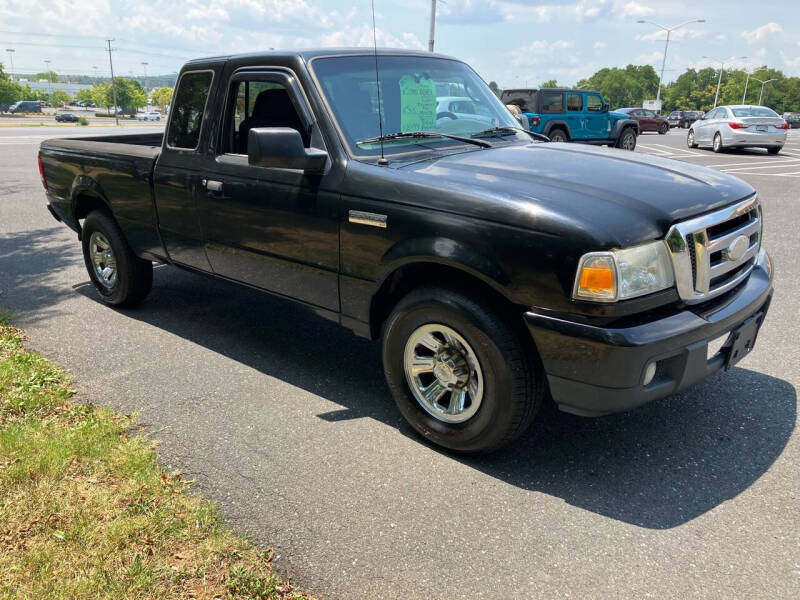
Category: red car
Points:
column 648, row 120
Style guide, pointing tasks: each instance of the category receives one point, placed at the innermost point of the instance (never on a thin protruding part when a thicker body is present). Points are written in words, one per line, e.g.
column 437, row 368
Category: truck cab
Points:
column 573, row 115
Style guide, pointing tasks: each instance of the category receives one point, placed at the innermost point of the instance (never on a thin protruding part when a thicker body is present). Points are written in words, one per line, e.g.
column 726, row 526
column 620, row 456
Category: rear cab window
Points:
column 552, row 102
column 188, row 110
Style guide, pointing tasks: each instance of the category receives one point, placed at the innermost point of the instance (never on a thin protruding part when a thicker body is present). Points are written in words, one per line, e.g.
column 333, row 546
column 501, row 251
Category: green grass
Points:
column 86, row 511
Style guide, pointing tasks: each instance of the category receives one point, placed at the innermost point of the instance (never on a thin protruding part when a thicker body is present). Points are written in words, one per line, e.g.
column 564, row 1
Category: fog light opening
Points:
column 649, row 373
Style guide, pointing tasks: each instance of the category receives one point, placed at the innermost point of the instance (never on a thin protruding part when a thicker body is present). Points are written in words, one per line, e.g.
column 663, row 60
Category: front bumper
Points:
column 594, row 371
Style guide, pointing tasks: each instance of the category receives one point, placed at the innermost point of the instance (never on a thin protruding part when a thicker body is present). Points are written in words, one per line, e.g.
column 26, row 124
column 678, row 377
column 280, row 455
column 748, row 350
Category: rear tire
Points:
column 507, row 369
column 773, row 150
column 120, row 277
column 558, row 135
column 690, row 139
column 663, row 129
column 717, row 144
column 627, row 139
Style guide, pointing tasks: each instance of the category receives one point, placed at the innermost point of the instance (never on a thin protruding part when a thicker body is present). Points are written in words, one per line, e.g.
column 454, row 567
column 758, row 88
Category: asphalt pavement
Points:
column 284, row 419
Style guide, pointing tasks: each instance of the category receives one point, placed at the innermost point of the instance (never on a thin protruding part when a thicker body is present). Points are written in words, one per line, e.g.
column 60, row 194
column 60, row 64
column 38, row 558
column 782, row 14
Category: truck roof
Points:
column 308, row 54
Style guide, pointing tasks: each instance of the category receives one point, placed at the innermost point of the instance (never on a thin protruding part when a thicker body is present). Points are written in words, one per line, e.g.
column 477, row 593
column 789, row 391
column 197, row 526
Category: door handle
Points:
column 212, row 185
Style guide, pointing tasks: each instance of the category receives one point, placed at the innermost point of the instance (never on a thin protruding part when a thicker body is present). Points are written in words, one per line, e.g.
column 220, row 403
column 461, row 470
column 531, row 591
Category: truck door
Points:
column 178, row 177
column 575, row 116
column 276, row 229
column 596, row 120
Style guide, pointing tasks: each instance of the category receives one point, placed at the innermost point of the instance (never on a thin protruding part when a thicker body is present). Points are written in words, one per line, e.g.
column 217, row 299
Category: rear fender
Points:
column 622, row 124
column 557, row 124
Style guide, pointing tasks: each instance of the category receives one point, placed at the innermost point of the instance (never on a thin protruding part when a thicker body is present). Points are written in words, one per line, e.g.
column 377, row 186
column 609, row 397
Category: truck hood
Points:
column 615, row 197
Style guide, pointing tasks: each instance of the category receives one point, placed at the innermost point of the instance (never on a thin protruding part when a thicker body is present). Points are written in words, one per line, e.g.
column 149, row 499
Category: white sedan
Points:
column 739, row 126
column 148, row 116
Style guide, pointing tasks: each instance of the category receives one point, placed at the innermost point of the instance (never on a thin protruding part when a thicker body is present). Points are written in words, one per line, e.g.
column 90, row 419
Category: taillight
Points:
column 41, row 171
column 737, row 125
column 784, row 126
column 535, row 121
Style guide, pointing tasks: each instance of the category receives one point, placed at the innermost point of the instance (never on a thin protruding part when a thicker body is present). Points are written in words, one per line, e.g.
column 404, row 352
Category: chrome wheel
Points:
column 103, row 260
column 690, row 139
column 443, row 373
column 628, row 141
column 717, row 143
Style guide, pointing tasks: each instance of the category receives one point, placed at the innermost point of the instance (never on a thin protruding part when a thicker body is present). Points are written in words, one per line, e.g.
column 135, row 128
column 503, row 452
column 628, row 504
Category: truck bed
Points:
column 116, row 170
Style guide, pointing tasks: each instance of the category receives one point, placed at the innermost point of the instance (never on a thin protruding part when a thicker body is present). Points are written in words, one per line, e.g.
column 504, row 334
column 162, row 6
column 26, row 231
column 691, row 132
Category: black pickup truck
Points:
column 497, row 269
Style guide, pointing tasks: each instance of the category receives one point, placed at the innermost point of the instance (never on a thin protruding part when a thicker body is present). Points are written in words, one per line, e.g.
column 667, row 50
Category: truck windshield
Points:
column 417, row 94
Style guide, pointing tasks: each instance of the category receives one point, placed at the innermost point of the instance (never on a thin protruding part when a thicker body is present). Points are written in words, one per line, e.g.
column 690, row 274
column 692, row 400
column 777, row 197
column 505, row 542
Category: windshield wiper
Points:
column 424, row 134
column 507, row 129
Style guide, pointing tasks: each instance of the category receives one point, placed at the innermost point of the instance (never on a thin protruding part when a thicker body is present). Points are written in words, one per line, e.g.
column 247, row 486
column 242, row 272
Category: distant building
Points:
column 44, row 86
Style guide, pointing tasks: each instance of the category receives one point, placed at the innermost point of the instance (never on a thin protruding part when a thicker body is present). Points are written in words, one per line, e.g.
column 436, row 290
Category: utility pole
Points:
column 144, row 66
column 47, row 71
column 669, row 30
column 113, row 87
column 746, row 82
column 433, row 25
column 11, row 59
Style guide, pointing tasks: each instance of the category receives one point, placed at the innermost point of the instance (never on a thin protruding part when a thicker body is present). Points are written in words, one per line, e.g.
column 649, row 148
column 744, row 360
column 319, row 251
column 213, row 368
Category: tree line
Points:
column 129, row 92
column 694, row 89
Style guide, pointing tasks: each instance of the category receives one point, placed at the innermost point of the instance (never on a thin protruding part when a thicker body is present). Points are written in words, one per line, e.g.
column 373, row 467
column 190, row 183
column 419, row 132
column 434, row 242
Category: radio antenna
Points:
column 382, row 160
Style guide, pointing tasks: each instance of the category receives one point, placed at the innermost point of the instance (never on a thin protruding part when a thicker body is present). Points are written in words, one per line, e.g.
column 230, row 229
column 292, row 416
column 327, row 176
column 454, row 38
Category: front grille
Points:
column 713, row 253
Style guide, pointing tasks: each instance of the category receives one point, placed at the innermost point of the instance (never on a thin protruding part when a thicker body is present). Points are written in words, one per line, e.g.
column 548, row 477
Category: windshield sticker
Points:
column 417, row 104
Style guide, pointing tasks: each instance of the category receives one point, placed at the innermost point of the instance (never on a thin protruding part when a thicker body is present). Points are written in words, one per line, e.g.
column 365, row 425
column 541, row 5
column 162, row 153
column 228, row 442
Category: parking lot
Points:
column 285, row 420
column 748, row 163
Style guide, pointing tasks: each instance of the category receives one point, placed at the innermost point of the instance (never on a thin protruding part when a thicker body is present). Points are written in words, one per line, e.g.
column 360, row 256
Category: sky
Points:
column 513, row 42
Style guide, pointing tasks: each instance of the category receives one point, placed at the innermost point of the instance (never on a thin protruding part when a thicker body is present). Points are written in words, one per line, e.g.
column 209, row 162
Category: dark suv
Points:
column 684, row 118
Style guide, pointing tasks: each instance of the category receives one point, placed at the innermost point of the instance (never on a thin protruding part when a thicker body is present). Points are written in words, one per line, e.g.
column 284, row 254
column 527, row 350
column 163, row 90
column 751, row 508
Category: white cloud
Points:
column 634, row 9
column 648, row 59
column 592, row 9
column 678, row 34
column 362, row 36
column 760, row 33
column 540, row 52
column 516, row 12
column 600, row 45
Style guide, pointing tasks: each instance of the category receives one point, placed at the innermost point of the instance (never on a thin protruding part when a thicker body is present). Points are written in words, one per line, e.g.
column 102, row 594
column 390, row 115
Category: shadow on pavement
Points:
column 657, row 467
column 30, row 266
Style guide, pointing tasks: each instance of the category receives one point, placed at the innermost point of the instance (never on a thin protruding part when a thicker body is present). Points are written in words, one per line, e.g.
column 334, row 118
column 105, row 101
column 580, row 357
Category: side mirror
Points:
column 282, row 148
column 605, row 107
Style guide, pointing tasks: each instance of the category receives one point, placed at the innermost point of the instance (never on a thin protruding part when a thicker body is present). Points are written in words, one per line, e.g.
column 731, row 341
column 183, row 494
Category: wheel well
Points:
column 409, row 277
column 85, row 203
column 560, row 128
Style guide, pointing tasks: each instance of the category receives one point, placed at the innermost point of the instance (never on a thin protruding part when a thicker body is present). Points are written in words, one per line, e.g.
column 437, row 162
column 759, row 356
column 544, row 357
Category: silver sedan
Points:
column 739, row 126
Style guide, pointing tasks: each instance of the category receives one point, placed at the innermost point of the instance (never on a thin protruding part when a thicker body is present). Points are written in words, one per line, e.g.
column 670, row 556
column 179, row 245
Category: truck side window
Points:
column 594, row 103
column 260, row 103
column 574, row 102
column 552, row 102
column 188, row 107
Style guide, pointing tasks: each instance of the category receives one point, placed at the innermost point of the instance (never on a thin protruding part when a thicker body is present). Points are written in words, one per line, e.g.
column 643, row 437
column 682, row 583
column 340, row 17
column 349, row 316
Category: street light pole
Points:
column 144, row 66
column 669, row 30
column 746, row 81
column 113, row 87
column 719, row 79
column 11, row 59
column 763, row 83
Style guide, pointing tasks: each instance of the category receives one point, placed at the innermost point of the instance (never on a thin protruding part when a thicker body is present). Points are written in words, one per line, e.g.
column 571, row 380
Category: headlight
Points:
column 622, row 274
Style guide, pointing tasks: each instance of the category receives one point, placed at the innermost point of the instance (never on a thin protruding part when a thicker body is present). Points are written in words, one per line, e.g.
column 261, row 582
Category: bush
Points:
column 102, row 114
column 83, row 121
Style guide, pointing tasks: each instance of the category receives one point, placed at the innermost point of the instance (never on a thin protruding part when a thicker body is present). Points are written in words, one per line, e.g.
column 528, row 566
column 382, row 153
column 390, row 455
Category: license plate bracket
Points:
column 761, row 128
column 742, row 340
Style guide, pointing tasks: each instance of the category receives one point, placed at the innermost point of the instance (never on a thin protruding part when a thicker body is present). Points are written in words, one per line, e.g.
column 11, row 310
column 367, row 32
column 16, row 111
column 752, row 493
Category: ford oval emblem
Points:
column 737, row 248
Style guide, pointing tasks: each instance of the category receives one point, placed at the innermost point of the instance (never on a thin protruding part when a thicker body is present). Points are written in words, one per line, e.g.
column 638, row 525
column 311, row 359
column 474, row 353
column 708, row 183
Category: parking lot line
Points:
column 791, row 164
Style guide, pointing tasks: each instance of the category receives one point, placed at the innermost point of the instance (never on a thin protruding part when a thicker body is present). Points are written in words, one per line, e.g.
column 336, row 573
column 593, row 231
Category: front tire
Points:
column 690, row 139
column 663, row 129
column 460, row 374
column 120, row 277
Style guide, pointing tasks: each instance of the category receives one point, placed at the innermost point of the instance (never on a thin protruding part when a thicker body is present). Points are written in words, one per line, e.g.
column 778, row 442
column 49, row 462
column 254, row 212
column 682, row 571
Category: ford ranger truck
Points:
column 497, row 270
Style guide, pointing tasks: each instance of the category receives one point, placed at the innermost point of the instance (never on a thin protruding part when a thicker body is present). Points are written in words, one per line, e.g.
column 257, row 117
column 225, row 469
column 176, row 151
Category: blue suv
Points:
column 567, row 115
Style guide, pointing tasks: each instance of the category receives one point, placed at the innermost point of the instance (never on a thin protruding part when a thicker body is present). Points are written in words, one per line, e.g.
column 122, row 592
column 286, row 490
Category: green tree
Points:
column 84, row 95
column 163, row 95
column 50, row 76
column 58, row 97
column 100, row 95
column 550, row 83
column 10, row 92
column 130, row 93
